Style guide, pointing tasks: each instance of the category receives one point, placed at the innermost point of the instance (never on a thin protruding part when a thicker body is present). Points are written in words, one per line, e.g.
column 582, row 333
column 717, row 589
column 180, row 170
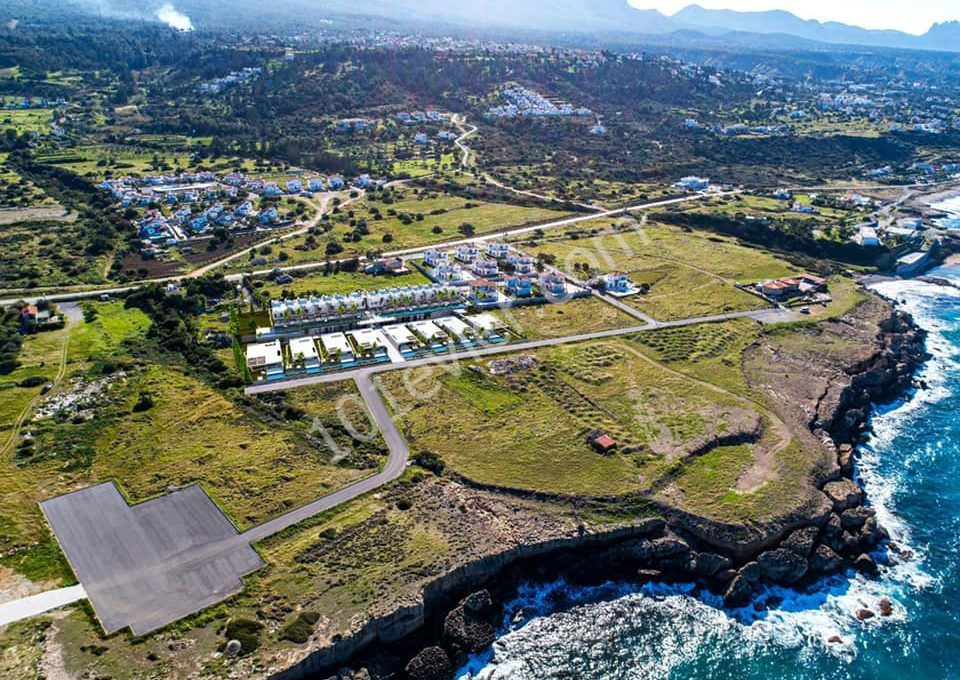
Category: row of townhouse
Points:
column 527, row 103
column 414, row 117
column 285, row 313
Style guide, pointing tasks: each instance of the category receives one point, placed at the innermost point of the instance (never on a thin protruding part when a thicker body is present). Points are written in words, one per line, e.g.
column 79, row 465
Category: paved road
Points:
column 26, row 607
column 396, row 464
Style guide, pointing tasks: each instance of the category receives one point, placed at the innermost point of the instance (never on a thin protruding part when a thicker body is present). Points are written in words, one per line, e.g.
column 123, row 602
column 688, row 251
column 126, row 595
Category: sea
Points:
column 910, row 468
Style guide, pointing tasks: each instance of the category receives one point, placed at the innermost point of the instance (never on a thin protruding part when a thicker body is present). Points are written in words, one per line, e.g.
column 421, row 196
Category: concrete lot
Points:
column 147, row 565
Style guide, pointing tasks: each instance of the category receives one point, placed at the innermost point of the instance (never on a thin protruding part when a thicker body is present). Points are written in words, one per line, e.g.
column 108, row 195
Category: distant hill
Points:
column 597, row 17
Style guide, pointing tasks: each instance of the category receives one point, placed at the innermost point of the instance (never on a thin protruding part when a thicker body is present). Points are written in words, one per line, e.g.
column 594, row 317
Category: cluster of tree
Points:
column 10, row 339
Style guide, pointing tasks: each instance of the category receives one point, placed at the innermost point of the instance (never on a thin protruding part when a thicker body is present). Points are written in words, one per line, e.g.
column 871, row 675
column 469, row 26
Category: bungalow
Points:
column 304, row 354
column 432, row 258
column 364, row 182
column 912, row 263
column 294, row 186
column 815, row 282
column 315, row 184
column 265, row 359
column 486, row 268
column 467, row 253
column 392, row 265
column 421, row 138
column 482, row 291
column 269, row 216
column 553, row 285
column 29, row 313
column 446, row 136
column 520, row 286
column 402, row 337
column 245, row 209
column 335, row 183
column 198, row 223
column 616, row 281
column 337, row 348
column 779, row 288
column 271, row 189
column 497, row 250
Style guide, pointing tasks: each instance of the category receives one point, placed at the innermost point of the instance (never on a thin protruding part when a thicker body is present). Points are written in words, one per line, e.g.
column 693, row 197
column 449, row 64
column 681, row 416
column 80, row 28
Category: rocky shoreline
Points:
column 838, row 532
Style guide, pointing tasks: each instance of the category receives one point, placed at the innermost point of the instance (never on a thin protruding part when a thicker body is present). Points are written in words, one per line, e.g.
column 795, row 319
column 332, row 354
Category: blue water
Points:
column 911, row 470
column 951, row 206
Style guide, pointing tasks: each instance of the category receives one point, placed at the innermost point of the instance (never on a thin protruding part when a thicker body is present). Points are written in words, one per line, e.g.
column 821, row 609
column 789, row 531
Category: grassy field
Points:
column 26, row 120
column 582, row 315
column 688, row 274
column 406, row 221
column 528, row 430
column 47, row 253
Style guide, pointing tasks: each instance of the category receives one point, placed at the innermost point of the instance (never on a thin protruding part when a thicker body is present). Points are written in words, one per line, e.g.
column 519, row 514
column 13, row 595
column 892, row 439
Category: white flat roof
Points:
column 400, row 334
column 428, row 329
column 304, row 346
column 336, row 342
column 264, row 354
column 486, row 321
column 453, row 325
column 367, row 337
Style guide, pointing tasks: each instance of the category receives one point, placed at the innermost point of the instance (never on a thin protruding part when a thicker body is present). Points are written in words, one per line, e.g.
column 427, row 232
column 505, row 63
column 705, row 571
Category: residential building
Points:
column 486, row 268
column 616, row 281
column 432, row 258
column 467, row 253
column 482, row 291
column 304, row 354
column 693, row 183
column 265, row 359
column 520, row 286
column 497, row 250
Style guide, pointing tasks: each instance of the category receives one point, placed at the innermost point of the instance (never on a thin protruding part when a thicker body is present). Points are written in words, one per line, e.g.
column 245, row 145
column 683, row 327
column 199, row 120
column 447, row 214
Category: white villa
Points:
column 486, row 269
column 456, row 327
column 616, row 281
column 434, row 258
column 467, row 253
column 693, row 183
column 446, row 271
column 402, row 337
column 304, row 354
column 266, row 357
column 430, row 331
column 487, row 323
column 497, row 250
column 369, row 341
column 337, row 347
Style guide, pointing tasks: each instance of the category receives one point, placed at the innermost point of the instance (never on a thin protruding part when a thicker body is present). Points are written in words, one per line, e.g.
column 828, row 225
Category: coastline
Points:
column 458, row 616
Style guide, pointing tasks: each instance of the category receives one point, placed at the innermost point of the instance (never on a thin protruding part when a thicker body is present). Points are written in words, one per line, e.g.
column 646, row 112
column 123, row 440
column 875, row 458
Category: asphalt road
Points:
column 396, row 464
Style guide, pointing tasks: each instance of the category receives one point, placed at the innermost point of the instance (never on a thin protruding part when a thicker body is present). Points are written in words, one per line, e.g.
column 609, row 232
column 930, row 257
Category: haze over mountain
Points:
column 613, row 17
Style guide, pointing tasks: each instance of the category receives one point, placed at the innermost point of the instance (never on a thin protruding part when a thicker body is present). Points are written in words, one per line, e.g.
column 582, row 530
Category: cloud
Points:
column 171, row 17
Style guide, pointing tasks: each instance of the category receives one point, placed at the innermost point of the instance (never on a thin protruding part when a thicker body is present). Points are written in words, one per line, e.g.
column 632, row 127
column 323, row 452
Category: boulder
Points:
column 782, row 566
column 824, row 560
column 738, row 592
column 432, row 663
column 886, row 607
column 865, row 614
column 853, row 519
column 710, row 564
column 469, row 627
column 833, row 528
column 865, row 565
column 751, row 572
column 801, row 541
column 669, row 547
column 844, row 494
column 869, row 533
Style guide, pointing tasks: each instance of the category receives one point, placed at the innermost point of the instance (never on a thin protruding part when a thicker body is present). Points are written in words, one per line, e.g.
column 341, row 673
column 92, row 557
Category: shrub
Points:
column 246, row 631
column 144, row 403
column 431, row 461
column 32, row 381
column 300, row 629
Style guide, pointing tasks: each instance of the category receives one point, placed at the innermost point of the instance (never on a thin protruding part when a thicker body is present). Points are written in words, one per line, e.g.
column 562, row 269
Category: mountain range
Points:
column 596, row 17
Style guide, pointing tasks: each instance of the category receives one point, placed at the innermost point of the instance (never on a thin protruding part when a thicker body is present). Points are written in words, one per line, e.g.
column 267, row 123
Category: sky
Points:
column 912, row 16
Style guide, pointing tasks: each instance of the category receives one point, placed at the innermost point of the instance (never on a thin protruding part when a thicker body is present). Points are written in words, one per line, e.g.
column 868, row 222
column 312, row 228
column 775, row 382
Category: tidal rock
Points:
column 739, row 592
column 835, row 639
column 801, row 541
column 869, row 533
column 844, row 494
column 782, row 566
column 725, row 576
column 865, row 614
column 833, row 528
column 432, row 663
column 886, row 607
column 469, row 627
column 824, row 560
column 710, row 564
column 865, row 565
